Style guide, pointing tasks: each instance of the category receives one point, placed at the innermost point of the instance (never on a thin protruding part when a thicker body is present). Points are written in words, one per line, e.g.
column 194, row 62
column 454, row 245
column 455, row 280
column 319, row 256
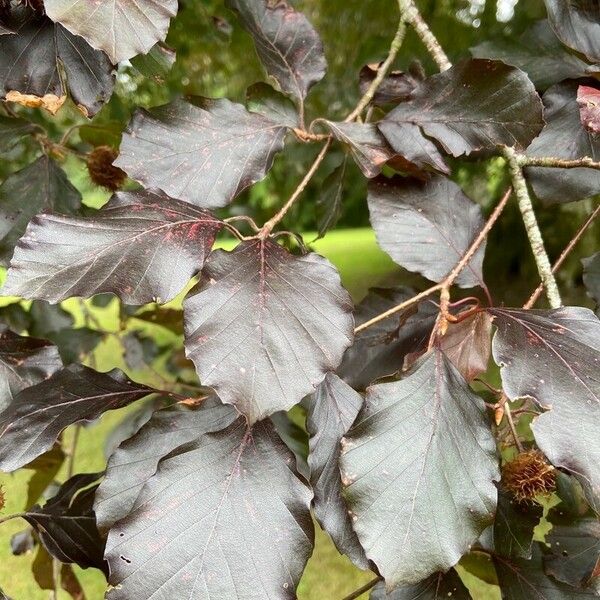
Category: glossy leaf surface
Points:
column 554, row 357
column 476, row 105
column 418, row 468
column 121, row 28
column 223, row 513
column 426, row 226
column 440, row 586
column 286, row 43
column 264, row 327
column 332, row 410
column 142, row 246
column 204, row 153
column 137, row 458
column 33, row 421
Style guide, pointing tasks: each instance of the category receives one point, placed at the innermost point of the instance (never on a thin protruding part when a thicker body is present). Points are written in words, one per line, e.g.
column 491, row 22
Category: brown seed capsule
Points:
column 528, row 476
column 101, row 169
column 2, row 498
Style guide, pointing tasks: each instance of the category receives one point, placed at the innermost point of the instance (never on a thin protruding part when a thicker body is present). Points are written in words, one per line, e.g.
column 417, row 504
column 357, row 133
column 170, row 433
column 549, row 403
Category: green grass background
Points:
column 328, row 575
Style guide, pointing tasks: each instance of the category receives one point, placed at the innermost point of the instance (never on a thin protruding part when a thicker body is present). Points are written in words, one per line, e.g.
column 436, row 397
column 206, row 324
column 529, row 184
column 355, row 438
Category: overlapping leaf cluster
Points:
column 210, row 497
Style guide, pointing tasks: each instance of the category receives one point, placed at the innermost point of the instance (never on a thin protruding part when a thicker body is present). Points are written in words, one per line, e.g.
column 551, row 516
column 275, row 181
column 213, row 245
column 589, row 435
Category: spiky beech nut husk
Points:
column 2, row 498
column 528, row 475
column 101, row 169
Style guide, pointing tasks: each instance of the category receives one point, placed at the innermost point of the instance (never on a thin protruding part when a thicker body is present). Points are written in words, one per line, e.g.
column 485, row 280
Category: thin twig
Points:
column 561, row 259
column 270, row 224
column 11, row 517
column 412, row 15
column 381, row 72
column 361, row 590
column 511, row 424
column 451, row 277
column 72, row 450
column 557, row 163
column 532, row 228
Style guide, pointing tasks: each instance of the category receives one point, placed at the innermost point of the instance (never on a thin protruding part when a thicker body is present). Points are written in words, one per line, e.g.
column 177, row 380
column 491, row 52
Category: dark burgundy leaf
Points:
column 24, row 361
column 577, row 24
column 574, row 544
column 12, row 131
column 380, row 349
column 142, row 246
column 66, row 524
column 121, row 28
column 588, row 99
column 70, row 583
column 42, row 185
column 408, row 141
column 204, row 153
column 514, row 525
column 264, row 327
column 137, row 458
column 45, row 468
column 22, row 542
column 440, row 586
column 396, row 86
column 332, row 410
column 369, row 148
column 522, row 579
column 139, row 350
column 468, row 344
column 472, row 107
column 286, row 43
column 74, row 345
column 47, row 319
column 225, row 514
column 553, row 356
column 33, row 421
column 14, row 317
column 28, row 64
column 591, row 276
column 427, row 226
column 261, row 98
column 157, row 63
column 329, row 203
column 418, row 469
column 564, row 137
column 539, row 53
column 169, row 318
column 42, row 569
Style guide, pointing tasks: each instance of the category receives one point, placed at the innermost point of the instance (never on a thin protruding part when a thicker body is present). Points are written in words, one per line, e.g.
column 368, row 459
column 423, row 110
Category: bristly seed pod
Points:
column 528, row 476
column 101, row 169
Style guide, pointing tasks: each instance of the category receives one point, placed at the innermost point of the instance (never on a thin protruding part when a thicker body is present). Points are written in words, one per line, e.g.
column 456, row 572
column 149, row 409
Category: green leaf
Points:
column 156, row 64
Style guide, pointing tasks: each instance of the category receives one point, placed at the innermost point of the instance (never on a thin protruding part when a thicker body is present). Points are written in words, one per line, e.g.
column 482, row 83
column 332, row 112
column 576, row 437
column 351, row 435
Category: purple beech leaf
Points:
column 539, row 53
column 288, row 46
column 564, row 137
column 263, row 327
column 577, row 24
column 522, row 579
column 224, row 515
column 205, row 153
column 45, row 469
column 427, row 226
column 28, row 63
column 553, row 356
column 472, row 107
column 591, row 276
column 418, row 468
column 135, row 461
column 468, row 344
column 369, row 148
column 332, row 410
column 440, row 586
column 34, row 420
column 329, row 204
column 396, row 86
column 588, row 99
column 42, row 185
column 121, row 28
column 574, row 544
column 66, row 524
column 261, row 98
column 380, row 350
column 12, row 131
column 142, row 246
column 514, row 525
column 24, row 361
